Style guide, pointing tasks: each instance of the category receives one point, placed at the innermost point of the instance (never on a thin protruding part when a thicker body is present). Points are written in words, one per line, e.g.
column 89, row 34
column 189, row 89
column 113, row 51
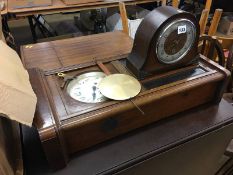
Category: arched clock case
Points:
column 166, row 39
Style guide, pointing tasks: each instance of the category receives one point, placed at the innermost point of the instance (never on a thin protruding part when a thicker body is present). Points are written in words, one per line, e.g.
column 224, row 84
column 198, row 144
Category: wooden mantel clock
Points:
column 166, row 39
column 173, row 77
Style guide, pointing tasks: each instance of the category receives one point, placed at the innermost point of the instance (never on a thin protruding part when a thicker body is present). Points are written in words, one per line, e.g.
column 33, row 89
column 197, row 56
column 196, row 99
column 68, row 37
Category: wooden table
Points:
column 58, row 6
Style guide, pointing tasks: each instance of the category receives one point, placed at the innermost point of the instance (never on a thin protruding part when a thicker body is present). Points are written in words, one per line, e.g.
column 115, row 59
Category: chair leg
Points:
column 124, row 17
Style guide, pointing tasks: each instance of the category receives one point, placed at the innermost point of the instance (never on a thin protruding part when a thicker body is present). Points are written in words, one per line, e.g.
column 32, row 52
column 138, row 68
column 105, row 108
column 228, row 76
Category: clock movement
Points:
column 85, row 101
column 166, row 39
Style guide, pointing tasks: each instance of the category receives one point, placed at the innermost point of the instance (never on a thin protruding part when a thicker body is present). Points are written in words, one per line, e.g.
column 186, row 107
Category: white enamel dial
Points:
column 85, row 87
column 175, row 40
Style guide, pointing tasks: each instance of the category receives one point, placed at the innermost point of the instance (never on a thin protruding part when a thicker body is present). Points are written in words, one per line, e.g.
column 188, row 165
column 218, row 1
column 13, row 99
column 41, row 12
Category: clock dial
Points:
column 85, row 87
column 175, row 40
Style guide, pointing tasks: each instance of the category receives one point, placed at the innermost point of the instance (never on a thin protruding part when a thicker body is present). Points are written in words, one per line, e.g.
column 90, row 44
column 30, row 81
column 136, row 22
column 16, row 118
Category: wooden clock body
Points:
column 143, row 60
column 66, row 126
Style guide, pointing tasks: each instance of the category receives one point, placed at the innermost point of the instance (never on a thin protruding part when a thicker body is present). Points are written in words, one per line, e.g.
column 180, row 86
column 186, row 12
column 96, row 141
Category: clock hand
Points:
column 94, row 94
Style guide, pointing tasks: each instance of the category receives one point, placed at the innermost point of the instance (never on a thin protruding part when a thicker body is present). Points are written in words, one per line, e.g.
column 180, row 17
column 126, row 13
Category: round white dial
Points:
column 85, row 87
column 175, row 40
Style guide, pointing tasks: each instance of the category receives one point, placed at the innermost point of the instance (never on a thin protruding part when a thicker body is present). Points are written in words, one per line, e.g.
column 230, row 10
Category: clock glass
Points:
column 85, row 87
column 175, row 40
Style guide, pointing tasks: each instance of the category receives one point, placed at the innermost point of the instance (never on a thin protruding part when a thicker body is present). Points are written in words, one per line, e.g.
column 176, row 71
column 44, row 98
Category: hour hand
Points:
column 94, row 94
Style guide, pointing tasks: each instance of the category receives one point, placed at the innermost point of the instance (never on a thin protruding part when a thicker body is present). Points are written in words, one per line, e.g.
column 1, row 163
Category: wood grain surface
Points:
column 59, row 6
column 208, row 4
column 75, row 2
column 215, row 22
column 203, row 21
column 68, row 52
column 16, row 4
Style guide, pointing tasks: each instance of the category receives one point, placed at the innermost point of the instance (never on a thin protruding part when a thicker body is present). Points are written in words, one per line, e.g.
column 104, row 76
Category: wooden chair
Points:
column 203, row 21
column 124, row 18
column 215, row 22
column 213, row 27
column 208, row 4
column 175, row 3
column 213, row 45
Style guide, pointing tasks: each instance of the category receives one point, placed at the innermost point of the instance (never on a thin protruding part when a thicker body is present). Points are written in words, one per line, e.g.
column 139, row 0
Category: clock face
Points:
column 175, row 40
column 85, row 87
